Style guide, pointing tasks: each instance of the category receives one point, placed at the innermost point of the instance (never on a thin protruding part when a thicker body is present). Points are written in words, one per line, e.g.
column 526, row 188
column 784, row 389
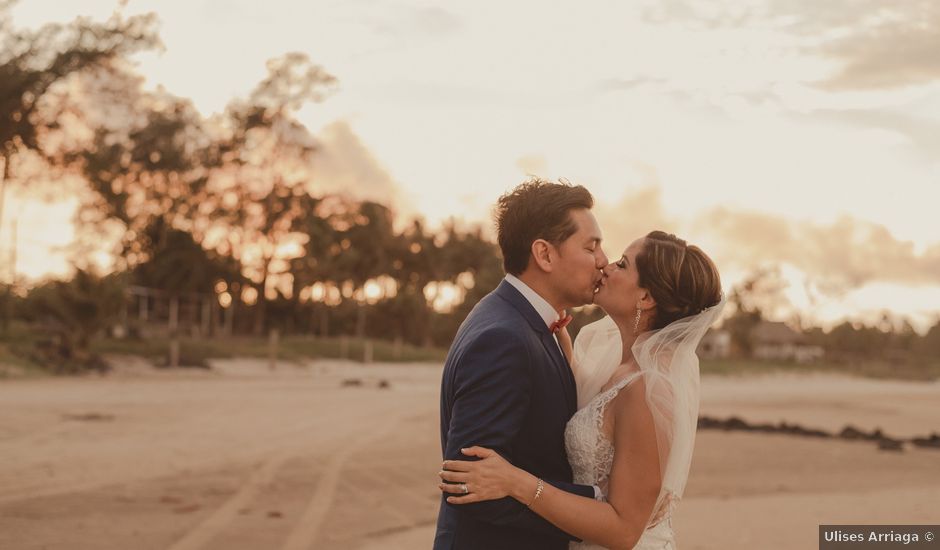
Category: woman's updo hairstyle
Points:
column 681, row 278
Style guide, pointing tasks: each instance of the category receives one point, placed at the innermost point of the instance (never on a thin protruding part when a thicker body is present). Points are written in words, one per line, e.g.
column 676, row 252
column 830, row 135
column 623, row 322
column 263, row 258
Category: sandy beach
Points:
column 241, row 457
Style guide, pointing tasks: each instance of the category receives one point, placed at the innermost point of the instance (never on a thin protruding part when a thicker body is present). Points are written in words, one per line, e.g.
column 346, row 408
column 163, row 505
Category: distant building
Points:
column 716, row 344
column 777, row 341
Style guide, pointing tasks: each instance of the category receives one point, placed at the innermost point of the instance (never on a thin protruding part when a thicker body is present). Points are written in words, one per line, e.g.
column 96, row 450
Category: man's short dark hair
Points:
column 537, row 209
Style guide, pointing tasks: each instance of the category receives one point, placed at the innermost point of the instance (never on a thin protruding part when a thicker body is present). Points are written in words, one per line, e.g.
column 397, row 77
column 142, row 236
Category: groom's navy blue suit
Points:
column 506, row 386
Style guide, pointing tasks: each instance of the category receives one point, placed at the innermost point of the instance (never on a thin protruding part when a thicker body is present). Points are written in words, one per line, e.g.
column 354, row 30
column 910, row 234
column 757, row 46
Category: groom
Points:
column 507, row 385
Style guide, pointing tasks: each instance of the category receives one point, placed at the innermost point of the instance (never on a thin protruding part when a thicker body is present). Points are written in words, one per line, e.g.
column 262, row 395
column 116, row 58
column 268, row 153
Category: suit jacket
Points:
column 508, row 387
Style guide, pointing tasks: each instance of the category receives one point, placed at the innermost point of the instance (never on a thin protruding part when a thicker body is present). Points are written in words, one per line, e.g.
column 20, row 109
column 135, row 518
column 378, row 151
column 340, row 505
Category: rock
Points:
column 89, row 417
column 735, row 423
column 888, row 444
column 928, row 442
column 851, row 432
column 787, row 428
column 708, row 423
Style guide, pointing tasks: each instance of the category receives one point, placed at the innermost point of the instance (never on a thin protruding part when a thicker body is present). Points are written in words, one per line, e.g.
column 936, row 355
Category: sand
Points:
column 241, row 457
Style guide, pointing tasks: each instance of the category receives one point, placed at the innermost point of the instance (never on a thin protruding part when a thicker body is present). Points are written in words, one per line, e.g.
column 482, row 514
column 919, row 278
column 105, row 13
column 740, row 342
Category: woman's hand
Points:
column 490, row 478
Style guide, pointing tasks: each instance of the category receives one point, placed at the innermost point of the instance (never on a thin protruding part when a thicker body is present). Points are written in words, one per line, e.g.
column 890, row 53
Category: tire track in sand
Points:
column 223, row 516
column 307, row 529
column 260, row 478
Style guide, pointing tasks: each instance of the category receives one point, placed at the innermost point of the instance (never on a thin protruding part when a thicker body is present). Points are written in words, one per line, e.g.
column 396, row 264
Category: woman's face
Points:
column 620, row 293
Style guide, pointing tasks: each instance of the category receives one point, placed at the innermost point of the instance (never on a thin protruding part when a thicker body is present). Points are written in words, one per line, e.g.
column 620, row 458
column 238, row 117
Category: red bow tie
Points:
column 561, row 323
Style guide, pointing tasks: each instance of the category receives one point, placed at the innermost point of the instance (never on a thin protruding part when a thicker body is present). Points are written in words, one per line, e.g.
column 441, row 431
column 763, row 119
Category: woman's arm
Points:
column 633, row 489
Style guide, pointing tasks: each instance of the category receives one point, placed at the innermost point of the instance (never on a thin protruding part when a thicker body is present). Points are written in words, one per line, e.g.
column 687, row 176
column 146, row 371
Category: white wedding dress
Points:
column 591, row 455
column 667, row 363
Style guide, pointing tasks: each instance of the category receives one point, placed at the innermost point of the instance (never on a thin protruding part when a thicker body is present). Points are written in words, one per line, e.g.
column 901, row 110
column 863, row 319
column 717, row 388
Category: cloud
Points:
column 409, row 21
column 636, row 214
column 436, row 20
column 878, row 44
column 837, row 257
column 899, row 50
column 811, row 18
column 710, row 15
column 532, row 165
column 627, row 84
column 344, row 165
column 848, row 253
column 922, row 133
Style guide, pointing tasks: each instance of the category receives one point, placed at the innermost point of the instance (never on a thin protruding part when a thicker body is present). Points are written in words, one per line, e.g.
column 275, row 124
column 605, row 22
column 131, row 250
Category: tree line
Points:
column 889, row 339
column 224, row 205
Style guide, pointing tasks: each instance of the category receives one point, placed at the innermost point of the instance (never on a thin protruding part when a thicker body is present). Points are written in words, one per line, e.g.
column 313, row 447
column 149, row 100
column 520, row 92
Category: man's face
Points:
column 580, row 261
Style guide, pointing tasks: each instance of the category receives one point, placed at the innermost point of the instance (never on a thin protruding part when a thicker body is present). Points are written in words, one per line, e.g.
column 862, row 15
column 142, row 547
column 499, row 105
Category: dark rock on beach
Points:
column 889, row 444
column 932, row 441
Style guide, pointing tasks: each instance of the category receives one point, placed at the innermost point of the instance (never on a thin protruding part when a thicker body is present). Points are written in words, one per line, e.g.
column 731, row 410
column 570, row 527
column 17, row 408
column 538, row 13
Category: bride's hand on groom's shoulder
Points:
column 490, row 478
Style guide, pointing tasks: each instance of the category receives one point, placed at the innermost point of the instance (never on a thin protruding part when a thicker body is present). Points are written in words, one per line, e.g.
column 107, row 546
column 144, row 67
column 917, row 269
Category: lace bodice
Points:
column 590, row 451
column 591, row 454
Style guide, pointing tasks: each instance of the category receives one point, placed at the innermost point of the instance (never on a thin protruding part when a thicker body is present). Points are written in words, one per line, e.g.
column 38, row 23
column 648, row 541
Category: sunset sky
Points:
column 800, row 133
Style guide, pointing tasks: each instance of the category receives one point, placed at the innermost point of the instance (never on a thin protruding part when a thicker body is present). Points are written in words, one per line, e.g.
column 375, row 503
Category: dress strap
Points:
column 609, row 394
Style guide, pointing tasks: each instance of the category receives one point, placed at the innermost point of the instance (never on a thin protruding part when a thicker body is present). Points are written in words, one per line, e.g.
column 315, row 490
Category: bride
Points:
column 638, row 396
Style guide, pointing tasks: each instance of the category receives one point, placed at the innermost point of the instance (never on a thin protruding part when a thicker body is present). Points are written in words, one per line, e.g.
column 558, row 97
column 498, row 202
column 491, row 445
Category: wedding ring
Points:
column 464, row 488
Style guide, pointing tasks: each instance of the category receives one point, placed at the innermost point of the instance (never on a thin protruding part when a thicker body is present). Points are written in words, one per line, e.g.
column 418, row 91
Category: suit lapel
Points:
column 555, row 358
column 562, row 368
column 509, row 293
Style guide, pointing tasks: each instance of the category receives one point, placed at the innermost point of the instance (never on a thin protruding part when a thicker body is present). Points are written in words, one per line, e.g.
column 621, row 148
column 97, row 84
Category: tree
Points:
column 32, row 62
column 930, row 344
column 317, row 262
column 74, row 312
column 260, row 232
column 366, row 243
column 148, row 172
column 466, row 252
column 263, row 182
column 416, row 263
column 751, row 299
column 178, row 264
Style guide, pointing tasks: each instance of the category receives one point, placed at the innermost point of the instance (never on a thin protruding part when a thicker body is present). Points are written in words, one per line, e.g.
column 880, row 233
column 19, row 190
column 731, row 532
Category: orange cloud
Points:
column 344, row 165
column 847, row 253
